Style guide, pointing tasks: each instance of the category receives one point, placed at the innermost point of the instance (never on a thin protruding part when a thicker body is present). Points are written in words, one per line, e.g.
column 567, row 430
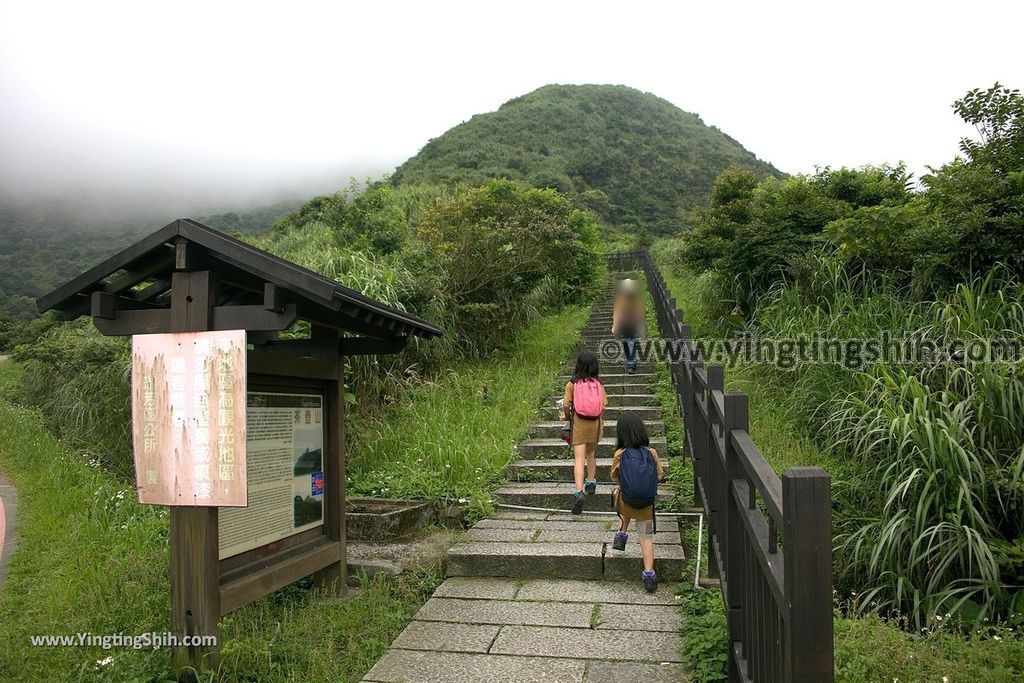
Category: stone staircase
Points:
column 538, row 594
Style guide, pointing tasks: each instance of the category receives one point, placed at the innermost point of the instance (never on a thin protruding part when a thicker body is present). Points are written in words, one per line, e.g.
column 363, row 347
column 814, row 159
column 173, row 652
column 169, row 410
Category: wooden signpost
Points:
column 239, row 432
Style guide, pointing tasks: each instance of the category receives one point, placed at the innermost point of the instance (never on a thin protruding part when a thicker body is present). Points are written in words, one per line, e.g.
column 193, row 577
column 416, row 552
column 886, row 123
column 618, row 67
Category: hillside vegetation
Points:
column 930, row 497
column 634, row 158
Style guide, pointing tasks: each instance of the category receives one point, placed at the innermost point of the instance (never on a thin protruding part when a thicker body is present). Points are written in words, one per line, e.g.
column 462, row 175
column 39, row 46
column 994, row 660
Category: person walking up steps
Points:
column 628, row 320
column 637, row 470
column 583, row 404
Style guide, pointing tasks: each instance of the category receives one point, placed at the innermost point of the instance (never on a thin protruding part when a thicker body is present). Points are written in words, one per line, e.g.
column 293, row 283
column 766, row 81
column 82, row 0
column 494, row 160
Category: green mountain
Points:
column 633, row 157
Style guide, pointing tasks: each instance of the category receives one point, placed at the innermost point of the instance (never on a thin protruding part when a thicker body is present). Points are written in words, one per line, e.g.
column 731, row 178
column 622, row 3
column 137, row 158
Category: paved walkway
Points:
column 8, row 522
column 537, row 594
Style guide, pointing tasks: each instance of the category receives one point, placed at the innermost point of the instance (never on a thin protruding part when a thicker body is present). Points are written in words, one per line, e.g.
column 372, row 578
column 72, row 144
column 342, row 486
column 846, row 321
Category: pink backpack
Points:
column 588, row 399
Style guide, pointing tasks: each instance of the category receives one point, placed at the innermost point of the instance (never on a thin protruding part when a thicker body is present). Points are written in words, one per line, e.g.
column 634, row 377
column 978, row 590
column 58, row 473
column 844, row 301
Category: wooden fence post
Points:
column 807, row 551
column 712, row 468
column 733, row 543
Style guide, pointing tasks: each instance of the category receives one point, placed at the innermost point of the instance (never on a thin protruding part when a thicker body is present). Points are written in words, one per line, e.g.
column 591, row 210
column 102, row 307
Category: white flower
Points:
column 105, row 661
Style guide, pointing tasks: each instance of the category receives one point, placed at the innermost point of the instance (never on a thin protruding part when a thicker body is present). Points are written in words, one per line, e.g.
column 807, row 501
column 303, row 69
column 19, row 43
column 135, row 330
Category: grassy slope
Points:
column 91, row 559
column 866, row 649
column 454, row 437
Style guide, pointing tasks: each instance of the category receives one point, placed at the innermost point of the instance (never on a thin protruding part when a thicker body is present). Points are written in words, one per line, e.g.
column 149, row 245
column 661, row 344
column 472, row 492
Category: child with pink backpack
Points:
column 583, row 405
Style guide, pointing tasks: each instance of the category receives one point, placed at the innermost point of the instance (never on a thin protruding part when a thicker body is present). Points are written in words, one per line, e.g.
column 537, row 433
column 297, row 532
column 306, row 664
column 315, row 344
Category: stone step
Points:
column 540, row 448
column 620, row 389
column 530, row 535
column 620, row 399
column 617, row 376
column 564, row 560
column 616, row 367
column 549, row 412
column 553, row 470
column 558, row 495
column 552, row 429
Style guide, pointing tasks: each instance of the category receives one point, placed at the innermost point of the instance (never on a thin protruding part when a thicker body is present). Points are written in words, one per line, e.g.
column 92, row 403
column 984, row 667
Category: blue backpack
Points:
column 638, row 478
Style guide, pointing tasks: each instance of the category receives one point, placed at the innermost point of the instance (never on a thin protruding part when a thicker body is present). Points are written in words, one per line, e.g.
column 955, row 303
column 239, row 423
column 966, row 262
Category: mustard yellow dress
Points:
column 623, row 509
column 583, row 431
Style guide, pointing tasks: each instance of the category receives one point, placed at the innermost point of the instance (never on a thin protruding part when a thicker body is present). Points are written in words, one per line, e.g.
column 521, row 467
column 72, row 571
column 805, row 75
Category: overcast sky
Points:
column 236, row 99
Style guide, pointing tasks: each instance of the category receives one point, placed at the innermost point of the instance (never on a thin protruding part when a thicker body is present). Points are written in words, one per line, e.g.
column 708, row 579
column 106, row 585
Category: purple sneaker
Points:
column 650, row 581
column 620, row 540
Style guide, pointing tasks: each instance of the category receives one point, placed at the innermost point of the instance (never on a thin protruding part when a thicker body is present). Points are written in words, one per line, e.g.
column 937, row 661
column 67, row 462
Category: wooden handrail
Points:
column 778, row 604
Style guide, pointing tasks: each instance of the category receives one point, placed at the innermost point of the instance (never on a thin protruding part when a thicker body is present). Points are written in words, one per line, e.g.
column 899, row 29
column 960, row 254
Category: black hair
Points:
column 587, row 366
column 631, row 432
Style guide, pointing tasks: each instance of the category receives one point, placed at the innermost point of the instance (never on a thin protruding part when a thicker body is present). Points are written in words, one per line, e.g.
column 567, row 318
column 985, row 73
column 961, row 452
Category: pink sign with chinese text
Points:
column 188, row 418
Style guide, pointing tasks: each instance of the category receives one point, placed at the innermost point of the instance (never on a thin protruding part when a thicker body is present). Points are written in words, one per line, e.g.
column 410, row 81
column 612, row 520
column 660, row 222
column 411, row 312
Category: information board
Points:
column 188, row 418
column 285, row 442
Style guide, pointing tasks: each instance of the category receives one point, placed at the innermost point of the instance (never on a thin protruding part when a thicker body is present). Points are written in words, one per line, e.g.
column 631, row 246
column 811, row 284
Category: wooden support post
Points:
column 807, row 549
column 733, row 533
column 332, row 578
column 194, row 533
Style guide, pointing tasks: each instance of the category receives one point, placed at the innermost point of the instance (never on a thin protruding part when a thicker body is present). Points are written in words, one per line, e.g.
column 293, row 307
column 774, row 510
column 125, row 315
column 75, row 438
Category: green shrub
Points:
column 80, row 381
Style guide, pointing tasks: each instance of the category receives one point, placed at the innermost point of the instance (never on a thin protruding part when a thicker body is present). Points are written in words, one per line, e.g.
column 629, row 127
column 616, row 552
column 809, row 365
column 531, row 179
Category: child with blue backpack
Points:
column 637, row 470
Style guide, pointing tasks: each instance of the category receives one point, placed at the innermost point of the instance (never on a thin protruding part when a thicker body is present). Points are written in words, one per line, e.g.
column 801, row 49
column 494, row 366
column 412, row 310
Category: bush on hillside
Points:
column 497, row 243
column 752, row 231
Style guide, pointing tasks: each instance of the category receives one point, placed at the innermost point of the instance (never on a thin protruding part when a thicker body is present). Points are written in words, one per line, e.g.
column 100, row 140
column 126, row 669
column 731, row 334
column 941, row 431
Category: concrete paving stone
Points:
column 630, row 672
column 519, row 514
column 506, row 612
column 581, row 536
column 551, row 428
column 482, row 587
column 581, row 523
column 613, row 412
column 575, row 560
column 446, row 637
column 669, row 562
column 546, row 641
column 414, row 666
column 561, row 515
column 558, row 495
column 554, row 469
column 506, row 535
column 667, row 521
column 620, row 617
column 569, row 590
column 596, row 533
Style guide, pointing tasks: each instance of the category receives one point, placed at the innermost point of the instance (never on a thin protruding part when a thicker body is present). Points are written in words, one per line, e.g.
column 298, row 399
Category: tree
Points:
column 498, row 242
column 979, row 199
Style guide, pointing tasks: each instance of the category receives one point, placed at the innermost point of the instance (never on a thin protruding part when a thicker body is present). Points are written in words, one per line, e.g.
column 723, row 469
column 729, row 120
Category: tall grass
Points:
column 80, row 380
column 927, row 460
column 943, row 446
column 452, row 438
column 92, row 559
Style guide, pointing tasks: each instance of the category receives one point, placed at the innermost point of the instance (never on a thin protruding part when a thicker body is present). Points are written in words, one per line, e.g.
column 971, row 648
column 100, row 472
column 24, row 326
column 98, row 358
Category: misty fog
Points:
column 204, row 107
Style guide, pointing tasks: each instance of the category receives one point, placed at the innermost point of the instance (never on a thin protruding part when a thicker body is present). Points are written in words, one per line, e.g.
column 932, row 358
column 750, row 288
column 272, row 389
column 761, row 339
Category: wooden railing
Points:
column 769, row 539
column 624, row 261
